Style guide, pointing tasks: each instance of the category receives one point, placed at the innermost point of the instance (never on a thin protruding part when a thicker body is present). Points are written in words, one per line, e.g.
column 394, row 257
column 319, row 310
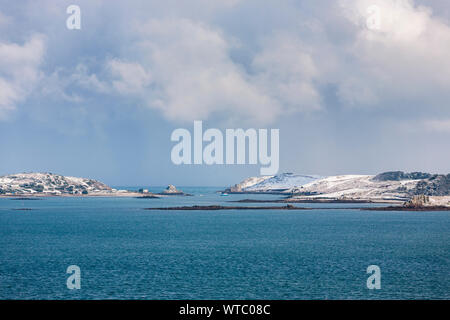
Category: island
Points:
column 171, row 190
column 27, row 186
column 401, row 190
column 415, row 191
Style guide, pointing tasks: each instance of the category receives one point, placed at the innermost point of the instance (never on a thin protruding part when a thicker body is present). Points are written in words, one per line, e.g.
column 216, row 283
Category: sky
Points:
column 351, row 90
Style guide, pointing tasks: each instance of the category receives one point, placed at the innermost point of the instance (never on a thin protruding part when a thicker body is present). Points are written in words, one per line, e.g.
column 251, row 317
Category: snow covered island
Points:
column 388, row 186
column 49, row 184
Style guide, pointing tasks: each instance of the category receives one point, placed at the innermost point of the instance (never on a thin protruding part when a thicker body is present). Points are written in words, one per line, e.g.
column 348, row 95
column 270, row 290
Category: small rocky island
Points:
column 171, row 190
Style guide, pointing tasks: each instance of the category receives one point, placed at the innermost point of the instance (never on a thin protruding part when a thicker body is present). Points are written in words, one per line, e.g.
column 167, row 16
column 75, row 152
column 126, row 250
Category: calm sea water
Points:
column 125, row 252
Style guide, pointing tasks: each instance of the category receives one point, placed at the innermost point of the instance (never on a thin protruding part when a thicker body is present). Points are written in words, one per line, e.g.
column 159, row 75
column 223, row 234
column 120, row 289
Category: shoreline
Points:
column 93, row 195
column 291, row 207
column 395, row 205
column 406, row 208
column 318, row 200
column 219, row 207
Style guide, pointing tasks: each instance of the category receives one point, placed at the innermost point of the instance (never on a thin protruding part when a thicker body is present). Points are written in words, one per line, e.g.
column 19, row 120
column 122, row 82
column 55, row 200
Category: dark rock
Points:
column 400, row 175
column 437, row 185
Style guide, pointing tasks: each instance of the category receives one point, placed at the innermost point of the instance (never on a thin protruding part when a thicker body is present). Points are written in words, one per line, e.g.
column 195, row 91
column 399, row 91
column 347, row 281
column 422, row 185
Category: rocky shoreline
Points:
column 219, row 207
column 37, row 196
column 405, row 208
column 317, row 200
column 291, row 207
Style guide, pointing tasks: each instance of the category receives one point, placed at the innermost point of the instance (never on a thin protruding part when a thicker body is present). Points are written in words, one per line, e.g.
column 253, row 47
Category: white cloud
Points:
column 83, row 78
column 286, row 69
column 19, row 71
column 192, row 74
column 185, row 67
column 131, row 77
column 406, row 59
column 194, row 77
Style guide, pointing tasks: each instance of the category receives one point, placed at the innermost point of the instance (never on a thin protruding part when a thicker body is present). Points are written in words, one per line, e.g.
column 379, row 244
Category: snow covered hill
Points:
column 387, row 185
column 279, row 182
column 247, row 183
column 282, row 181
column 49, row 183
column 357, row 187
column 396, row 185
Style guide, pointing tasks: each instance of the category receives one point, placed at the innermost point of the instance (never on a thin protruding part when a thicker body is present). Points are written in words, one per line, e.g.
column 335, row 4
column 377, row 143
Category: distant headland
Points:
column 34, row 185
column 395, row 187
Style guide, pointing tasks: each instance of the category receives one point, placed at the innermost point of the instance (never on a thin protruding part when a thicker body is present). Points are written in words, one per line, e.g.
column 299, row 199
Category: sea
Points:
column 126, row 252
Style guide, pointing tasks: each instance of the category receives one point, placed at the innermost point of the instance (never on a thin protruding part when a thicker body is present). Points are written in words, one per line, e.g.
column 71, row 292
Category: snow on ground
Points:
column 439, row 201
column 355, row 186
column 48, row 183
column 282, row 181
column 252, row 181
column 271, row 183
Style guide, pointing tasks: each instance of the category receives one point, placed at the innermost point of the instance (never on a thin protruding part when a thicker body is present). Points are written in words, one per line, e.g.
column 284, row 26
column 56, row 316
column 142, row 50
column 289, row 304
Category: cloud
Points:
column 286, row 69
column 184, row 69
column 192, row 74
column 404, row 61
column 132, row 77
column 441, row 126
column 81, row 76
column 19, row 71
column 196, row 66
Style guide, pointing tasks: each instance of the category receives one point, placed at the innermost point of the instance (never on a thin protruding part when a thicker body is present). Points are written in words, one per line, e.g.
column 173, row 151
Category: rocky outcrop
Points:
column 400, row 175
column 418, row 201
column 436, row 185
column 429, row 184
column 171, row 190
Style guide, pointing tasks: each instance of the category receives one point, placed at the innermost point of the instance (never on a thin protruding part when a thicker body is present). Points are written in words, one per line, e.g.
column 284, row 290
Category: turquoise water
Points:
column 125, row 252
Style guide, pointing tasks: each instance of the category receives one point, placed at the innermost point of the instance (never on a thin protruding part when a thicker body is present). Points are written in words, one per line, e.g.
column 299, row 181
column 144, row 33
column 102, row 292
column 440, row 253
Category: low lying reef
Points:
column 148, row 196
column 312, row 200
column 406, row 208
column 291, row 207
column 218, row 207
column 276, row 192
